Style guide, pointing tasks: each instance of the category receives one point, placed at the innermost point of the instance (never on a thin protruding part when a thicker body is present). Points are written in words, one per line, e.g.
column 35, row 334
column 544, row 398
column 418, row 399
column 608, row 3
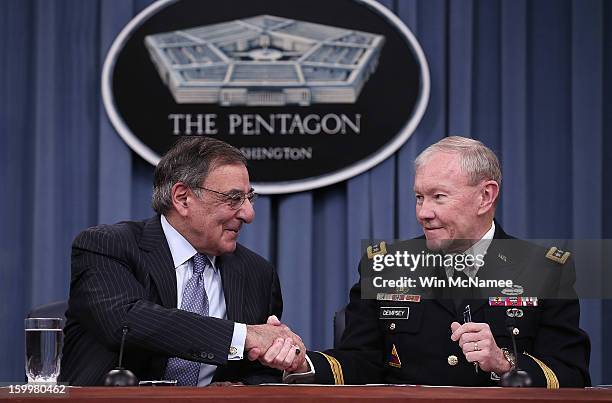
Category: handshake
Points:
column 276, row 346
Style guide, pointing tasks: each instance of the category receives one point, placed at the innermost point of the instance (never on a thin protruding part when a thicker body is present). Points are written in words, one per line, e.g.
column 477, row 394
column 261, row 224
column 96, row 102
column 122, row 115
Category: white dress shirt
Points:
column 479, row 248
column 182, row 252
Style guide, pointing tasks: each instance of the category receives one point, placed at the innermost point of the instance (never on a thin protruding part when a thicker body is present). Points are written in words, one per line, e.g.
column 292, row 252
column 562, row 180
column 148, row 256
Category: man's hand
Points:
column 300, row 369
column 478, row 345
column 275, row 345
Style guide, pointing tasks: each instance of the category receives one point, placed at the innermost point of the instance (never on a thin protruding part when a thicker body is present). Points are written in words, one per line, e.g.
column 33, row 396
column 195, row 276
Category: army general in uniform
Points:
column 423, row 340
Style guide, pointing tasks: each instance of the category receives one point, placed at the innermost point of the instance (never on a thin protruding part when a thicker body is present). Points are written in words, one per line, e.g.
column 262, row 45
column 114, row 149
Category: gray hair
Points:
column 476, row 159
column 190, row 161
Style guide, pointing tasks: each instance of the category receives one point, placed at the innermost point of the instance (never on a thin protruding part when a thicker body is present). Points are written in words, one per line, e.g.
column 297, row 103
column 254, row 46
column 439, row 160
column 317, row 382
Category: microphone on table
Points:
column 515, row 378
column 121, row 376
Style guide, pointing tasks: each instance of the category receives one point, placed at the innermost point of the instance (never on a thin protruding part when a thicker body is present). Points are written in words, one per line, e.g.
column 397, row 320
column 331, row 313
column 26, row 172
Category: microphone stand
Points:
column 121, row 376
column 515, row 378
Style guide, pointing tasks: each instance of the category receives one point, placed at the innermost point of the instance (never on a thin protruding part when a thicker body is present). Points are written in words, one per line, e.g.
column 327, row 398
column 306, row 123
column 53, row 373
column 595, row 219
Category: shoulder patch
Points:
column 377, row 249
column 557, row 255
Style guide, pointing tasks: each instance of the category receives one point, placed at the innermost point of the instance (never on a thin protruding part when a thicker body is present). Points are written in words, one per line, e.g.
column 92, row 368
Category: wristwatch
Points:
column 509, row 357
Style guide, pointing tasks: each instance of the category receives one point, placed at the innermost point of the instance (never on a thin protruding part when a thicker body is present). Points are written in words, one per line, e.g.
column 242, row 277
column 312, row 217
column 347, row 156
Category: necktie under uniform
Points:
column 194, row 300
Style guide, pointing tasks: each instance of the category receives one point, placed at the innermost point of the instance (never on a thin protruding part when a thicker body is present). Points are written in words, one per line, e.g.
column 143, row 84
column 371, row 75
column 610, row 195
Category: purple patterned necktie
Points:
column 194, row 300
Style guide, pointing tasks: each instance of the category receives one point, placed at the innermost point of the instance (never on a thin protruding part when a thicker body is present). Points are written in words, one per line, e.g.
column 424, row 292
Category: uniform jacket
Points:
column 551, row 347
column 123, row 275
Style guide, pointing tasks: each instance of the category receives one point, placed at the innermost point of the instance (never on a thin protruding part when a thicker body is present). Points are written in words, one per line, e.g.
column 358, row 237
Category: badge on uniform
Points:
column 394, row 359
column 381, row 296
column 513, row 291
column 514, row 313
column 497, row 301
column 412, row 298
column 557, row 255
column 378, row 249
column 394, row 312
column 513, row 301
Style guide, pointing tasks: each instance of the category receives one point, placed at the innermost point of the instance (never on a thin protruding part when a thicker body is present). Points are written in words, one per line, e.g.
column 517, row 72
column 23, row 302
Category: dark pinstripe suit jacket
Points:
column 123, row 274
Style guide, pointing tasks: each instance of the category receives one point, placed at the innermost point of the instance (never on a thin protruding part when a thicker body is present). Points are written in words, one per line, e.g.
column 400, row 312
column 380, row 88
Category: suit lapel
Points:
column 232, row 277
column 444, row 300
column 448, row 304
column 159, row 261
column 497, row 265
column 495, row 262
column 437, row 295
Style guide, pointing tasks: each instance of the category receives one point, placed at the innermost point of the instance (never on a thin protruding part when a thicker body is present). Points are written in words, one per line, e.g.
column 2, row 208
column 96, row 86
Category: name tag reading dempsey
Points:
column 394, row 312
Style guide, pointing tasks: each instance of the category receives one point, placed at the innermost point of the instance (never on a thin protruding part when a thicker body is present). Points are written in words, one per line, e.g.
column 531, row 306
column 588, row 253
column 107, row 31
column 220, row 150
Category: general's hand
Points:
column 478, row 345
column 281, row 355
column 299, row 369
column 275, row 345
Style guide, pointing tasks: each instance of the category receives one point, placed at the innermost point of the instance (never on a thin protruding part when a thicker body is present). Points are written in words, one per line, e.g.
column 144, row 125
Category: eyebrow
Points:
column 238, row 191
column 433, row 190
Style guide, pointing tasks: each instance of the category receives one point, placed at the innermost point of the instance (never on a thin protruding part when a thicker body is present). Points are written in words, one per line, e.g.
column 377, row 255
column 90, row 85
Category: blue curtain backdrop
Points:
column 532, row 79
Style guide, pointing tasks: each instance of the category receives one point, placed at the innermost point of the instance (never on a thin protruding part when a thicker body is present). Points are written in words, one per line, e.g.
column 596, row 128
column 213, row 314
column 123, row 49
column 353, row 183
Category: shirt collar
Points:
column 481, row 247
column 180, row 249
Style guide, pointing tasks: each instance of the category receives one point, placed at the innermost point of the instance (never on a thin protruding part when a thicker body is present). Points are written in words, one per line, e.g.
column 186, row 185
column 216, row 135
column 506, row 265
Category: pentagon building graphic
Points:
column 265, row 61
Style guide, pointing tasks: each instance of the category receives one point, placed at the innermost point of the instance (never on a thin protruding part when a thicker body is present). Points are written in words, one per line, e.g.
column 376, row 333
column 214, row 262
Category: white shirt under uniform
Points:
column 479, row 248
column 182, row 252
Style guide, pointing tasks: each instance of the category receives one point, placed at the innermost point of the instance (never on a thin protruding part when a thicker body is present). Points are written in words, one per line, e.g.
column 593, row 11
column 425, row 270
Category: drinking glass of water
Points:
column 43, row 349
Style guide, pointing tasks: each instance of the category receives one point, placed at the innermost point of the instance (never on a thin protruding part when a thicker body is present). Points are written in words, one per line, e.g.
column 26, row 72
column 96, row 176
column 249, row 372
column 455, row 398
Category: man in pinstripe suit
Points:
column 135, row 275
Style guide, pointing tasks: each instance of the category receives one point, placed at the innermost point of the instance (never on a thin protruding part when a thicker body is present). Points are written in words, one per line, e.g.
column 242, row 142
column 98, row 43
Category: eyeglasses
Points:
column 235, row 200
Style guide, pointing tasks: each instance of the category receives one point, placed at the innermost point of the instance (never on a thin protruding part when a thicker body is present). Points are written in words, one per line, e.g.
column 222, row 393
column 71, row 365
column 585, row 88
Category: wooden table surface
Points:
column 268, row 394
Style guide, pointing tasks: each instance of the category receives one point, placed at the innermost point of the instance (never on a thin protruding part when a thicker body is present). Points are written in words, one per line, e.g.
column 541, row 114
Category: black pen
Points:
column 467, row 318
